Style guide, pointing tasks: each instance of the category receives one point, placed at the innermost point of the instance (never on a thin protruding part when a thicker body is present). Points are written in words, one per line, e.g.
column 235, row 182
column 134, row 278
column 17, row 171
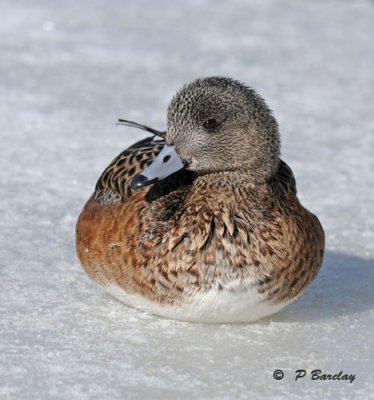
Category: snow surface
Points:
column 68, row 70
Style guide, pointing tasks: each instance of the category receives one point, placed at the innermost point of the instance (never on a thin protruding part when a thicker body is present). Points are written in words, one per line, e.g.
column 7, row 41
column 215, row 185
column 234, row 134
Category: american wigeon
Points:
column 203, row 224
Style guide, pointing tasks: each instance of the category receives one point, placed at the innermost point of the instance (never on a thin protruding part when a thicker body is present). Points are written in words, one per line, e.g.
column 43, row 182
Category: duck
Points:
column 202, row 222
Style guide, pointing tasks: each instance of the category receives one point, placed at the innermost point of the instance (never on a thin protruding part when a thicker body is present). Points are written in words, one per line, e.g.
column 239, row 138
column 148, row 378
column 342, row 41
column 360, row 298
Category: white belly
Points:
column 212, row 306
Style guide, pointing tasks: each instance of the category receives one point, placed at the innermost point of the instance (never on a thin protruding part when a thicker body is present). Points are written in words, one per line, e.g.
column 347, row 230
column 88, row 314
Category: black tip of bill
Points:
column 140, row 181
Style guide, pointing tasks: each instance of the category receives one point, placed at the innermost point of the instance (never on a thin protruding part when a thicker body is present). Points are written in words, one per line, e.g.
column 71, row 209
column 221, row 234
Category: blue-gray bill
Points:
column 165, row 164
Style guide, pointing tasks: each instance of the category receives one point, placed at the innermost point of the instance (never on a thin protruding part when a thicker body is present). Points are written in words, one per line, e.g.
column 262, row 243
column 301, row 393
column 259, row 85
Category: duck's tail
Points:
column 132, row 124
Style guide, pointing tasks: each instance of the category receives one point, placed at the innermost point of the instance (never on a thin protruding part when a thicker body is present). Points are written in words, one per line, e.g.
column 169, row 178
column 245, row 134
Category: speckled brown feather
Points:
column 188, row 234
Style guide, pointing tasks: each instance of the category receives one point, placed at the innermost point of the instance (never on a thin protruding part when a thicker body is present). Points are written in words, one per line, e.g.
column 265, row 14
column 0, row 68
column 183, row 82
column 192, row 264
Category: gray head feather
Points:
column 220, row 124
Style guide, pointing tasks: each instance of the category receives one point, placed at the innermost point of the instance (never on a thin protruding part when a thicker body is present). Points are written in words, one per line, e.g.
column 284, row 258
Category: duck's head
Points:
column 217, row 124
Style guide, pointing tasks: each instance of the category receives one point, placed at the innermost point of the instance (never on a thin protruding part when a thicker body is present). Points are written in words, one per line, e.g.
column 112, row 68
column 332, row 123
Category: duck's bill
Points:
column 165, row 164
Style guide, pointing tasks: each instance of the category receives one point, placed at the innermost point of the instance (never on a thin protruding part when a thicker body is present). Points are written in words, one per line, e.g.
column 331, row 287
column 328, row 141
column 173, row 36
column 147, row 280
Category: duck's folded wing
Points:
column 114, row 183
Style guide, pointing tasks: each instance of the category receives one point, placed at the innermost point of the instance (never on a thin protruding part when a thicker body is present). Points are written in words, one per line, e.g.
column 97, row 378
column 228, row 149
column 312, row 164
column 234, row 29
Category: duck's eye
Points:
column 210, row 124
